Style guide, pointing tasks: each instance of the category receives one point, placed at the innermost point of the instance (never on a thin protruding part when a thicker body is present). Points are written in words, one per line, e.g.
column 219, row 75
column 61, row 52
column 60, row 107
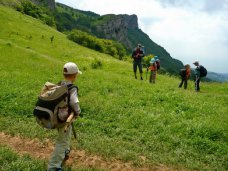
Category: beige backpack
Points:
column 52, row 107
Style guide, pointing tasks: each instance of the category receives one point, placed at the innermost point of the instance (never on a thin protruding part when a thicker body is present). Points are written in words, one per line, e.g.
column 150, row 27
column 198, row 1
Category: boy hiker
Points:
column 137, row 55
column 62, row 144
column 153, row 70
column 185, row 74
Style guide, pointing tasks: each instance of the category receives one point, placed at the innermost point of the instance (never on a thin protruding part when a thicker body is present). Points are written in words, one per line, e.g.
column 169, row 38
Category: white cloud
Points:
column 189, row 30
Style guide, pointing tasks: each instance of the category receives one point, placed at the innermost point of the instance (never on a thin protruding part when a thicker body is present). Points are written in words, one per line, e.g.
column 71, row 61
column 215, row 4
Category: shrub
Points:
column 96, row 64
column 110, row 47
column 31, row 9
column 50, row 21
column 146, row 60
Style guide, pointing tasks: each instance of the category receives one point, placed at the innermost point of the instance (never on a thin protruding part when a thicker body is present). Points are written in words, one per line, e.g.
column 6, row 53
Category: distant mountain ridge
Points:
column 219, row 77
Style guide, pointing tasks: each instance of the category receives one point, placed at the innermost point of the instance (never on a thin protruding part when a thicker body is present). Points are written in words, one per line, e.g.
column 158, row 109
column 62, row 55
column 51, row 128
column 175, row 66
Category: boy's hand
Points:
column 70, row 117
column 69, row 120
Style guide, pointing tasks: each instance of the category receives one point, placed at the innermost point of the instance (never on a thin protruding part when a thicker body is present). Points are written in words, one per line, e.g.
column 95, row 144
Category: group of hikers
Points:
column 154, row 65
column 58, row 105
column 185, row 73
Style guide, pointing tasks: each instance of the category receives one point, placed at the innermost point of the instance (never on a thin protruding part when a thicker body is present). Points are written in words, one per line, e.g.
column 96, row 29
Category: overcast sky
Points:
column 188, row 29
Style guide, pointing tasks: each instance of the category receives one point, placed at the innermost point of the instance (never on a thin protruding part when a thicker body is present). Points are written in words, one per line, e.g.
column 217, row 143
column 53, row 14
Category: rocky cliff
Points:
column 49, row 3
column 125, row 29
column 117, row 28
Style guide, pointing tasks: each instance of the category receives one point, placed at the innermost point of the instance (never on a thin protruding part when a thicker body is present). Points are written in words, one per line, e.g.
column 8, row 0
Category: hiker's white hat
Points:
column 152, row 61
column 139, row 45
column 71, row 68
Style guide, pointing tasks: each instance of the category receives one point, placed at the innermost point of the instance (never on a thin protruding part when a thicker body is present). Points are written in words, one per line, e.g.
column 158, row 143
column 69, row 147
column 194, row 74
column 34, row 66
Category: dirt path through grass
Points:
column 42, row 150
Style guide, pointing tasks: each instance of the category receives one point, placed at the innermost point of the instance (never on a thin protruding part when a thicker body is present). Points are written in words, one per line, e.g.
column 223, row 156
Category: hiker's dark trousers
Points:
column 185, row 81
column 197, row 82
column 135, row 64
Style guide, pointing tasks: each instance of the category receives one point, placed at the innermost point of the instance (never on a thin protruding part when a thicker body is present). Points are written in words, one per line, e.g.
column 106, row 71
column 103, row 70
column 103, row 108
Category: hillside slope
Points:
column 121, row 28
column 123, row 118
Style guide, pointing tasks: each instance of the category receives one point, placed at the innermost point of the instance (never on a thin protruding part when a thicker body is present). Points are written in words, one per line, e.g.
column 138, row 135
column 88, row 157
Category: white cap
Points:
column 71, row 68
column 152, row 61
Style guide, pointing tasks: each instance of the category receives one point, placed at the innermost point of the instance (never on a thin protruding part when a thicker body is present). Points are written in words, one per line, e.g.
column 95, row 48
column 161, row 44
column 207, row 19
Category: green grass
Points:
column 10, row 2
column 123, row 118
column 10, row 161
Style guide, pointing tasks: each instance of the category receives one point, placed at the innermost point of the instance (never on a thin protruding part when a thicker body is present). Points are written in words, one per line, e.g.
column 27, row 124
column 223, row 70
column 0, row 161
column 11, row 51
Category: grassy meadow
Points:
column 122, row 118
column 11, row 161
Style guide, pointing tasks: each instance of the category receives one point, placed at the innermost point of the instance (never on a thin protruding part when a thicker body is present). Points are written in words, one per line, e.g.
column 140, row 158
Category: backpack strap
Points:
column 70, row 87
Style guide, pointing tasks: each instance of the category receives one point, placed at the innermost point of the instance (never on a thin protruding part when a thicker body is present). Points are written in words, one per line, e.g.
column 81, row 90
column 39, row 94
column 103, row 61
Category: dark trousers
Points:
column 185, row 81
column 135, row 64
column 197, row 82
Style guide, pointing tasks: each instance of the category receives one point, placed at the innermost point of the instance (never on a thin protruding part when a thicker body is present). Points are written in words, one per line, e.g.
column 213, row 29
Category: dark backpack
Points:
column 183, row 73
column 203, row 71
column 158, row 64
column 52, row 99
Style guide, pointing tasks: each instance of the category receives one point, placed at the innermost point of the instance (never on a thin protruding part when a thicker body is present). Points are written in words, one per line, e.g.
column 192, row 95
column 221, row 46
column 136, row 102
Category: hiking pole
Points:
column 73, row 130
column 146, row 72
column 196, row 80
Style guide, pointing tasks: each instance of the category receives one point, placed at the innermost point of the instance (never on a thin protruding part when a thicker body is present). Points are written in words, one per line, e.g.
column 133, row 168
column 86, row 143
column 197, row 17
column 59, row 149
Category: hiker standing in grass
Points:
column 137, row 55
column 185, row 74
column 153, row 70
column 197, row 76
column 62, row 144
column 200, row 72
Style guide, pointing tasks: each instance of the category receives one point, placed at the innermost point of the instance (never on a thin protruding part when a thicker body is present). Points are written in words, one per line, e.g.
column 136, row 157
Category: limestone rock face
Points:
column 49, row 3
column 116, row 28
column 131, row 21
